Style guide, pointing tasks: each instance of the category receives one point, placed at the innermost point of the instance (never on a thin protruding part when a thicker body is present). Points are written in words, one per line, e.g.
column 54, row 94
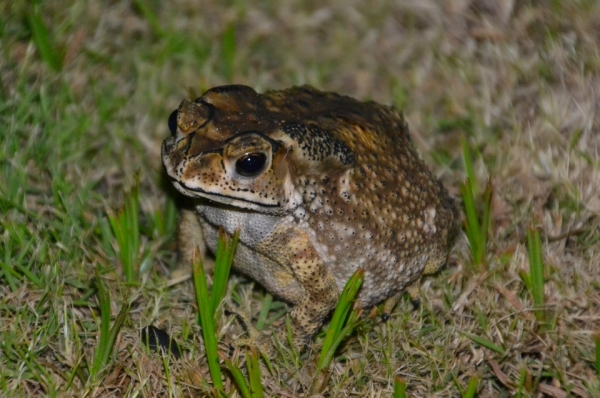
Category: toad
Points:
column 320, row 185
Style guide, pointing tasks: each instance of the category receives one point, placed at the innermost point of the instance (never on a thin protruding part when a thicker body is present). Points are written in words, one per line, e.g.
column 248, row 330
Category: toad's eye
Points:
column 173, row 122
column 251, row 164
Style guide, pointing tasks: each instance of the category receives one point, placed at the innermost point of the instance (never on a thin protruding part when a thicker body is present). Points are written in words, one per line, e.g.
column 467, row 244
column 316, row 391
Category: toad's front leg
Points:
column 320, row 290
column 291, row 247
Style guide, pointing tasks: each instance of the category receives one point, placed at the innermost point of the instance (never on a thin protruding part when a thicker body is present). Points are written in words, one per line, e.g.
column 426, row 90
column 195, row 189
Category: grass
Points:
column 49, row 52
column 597, row 362
column 505, row 90
column 476, row 227
column 207, row 320
column 399, row 388
column 125, row 229
column 471, row 388
column 486, row 343
column 254, row 375
column 208, row 303
column 343, row 322
column 108, row 335
column 534, row 281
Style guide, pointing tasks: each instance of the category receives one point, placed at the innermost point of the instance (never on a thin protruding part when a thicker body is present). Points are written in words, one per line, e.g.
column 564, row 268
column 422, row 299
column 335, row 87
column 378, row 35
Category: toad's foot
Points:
column 256, row 339
column 414, row 293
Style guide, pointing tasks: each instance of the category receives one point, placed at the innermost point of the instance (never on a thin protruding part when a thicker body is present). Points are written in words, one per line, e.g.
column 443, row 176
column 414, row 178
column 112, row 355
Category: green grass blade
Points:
column 10, row 275
column 103, row 339
column 118, row 234
column 231, row 251
column 339, row 337
column 477, row 231
column 49, row 53
column 132, row 228
column 224, row 258
column 339, row 318
column 485, row 343
column 597, row 342
column 125, row 226
column 208, row 324
column 34, row 367
column 114, row 332
column 218, row 275
column 472, row 221
column 399, row 387
column 239, row 379
column 30, row 275
column 472, row 387
column 522, row 381
column 264, row 312
column 486, row 218
column 342, row 324
column 468, row 161
column 536, row 266
column 526, row 280
column 75, row 372
column 254, row 375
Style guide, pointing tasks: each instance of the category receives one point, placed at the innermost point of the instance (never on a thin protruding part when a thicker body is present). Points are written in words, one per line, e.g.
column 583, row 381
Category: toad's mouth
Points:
column 220, row 198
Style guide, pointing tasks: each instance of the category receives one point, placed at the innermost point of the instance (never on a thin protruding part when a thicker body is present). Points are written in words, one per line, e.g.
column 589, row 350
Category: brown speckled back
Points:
column 383, row 210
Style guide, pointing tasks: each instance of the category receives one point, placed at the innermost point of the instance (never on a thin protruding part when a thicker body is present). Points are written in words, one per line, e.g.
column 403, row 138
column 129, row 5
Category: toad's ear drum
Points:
column 279, row 163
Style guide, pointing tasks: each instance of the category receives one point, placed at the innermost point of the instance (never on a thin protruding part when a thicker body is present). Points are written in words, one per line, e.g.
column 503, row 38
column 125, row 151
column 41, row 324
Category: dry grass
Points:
column 518, row 80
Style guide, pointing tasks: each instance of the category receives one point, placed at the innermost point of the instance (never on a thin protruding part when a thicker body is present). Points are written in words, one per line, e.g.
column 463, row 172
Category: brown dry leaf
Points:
column 510, row 297
column 552, row 391
column 502, row 377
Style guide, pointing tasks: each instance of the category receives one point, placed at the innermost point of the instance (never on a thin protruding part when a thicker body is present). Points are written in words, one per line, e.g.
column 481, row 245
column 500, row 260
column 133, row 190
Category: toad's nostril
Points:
column 173, row 122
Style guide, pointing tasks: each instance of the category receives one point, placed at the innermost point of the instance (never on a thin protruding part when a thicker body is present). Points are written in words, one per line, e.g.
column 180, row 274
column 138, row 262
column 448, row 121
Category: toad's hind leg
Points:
column 414, row 289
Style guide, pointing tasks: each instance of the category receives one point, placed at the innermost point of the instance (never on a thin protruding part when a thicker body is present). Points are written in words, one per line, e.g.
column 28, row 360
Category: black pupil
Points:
column 251, row 164
column 173, row 122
